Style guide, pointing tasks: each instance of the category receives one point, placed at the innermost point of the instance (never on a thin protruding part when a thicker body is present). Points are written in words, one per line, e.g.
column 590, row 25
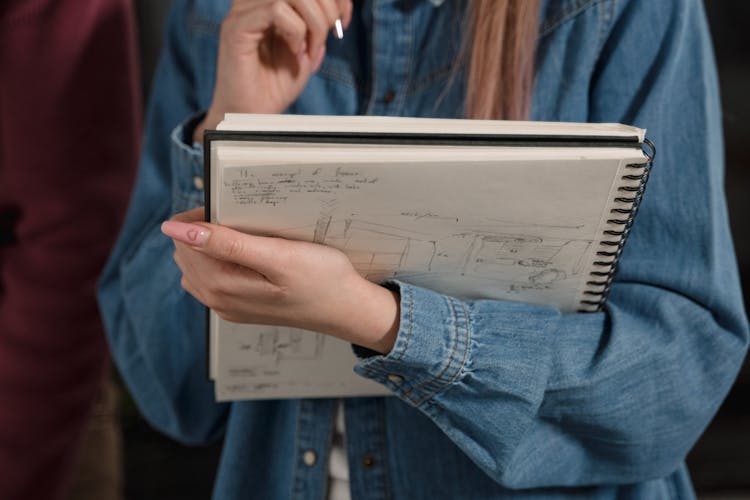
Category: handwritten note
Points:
column 248, row 187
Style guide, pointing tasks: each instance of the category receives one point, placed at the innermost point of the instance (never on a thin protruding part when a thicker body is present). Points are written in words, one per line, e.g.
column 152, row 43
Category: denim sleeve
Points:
column 155, row 330
column 537, row 398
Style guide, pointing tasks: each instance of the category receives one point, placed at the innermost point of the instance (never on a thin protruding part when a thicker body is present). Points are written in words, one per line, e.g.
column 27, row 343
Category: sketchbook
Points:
column 522, row 211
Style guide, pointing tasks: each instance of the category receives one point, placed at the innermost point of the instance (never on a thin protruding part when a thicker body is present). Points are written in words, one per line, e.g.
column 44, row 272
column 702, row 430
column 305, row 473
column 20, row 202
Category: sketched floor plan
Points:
column 484, row 252
column 270, row 346
column 259, row 359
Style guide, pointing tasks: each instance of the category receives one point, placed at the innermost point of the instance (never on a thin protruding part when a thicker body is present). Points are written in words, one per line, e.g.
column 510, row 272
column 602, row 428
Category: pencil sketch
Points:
column 262, row 352
column 480, row 251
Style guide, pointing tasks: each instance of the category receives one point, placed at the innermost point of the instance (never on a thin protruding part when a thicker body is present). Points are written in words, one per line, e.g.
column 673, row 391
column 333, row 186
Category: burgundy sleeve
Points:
column 69, row 130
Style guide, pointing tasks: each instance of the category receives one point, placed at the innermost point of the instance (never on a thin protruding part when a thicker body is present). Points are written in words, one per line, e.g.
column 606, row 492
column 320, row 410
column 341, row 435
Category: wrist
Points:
column 390, row 321
column 374, row 324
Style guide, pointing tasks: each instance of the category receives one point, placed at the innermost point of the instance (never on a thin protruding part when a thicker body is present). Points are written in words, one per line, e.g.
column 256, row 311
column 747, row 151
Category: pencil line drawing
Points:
column 264, row 351
column 381, row 251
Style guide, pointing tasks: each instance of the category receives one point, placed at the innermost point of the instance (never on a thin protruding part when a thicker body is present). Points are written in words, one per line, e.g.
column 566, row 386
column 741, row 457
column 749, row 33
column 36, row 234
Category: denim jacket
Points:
column 493, row 399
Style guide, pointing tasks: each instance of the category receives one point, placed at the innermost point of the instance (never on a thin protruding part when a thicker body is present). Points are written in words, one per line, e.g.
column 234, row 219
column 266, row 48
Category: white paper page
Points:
column 258, row 361
column 465, row 228
column 404, row 125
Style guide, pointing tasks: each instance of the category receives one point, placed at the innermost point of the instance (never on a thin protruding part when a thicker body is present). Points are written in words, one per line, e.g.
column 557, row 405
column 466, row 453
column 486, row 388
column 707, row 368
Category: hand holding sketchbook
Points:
column 525, row 211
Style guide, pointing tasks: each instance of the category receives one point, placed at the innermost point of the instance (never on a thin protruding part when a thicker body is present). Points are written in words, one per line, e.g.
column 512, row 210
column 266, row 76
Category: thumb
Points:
column 255, row 252
column 184, row 232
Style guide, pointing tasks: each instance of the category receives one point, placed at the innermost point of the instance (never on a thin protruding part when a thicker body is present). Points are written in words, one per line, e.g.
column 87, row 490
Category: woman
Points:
column 539, row 404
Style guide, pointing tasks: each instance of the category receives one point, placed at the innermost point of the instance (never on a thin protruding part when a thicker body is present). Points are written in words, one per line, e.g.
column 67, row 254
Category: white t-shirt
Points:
column 338, row 466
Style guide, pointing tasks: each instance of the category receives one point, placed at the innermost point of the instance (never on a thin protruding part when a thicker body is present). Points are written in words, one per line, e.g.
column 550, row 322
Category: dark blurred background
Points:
column 157, row 468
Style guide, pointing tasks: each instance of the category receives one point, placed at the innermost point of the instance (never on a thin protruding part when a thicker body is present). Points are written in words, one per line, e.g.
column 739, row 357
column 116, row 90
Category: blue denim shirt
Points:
column 496, row 399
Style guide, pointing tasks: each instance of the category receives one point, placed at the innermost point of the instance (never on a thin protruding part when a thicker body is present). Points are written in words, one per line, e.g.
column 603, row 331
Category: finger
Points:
column 290, row 27
column 331, row 10
column 249, row 16
column 186, row 268
column 184, row 232
column 194, row 215
column 224, row 286
column 255, row 17
column 261, row 254
column 317, row 24
column 187, row 285
column 192, row 263
column 199, row 268
column 337, row 11
column 345, row 8
column 278, row 15
column 218, row 277
column 319, row 60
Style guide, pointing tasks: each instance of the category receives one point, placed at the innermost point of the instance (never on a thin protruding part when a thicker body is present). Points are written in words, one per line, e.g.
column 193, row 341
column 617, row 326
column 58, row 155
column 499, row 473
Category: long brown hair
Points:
column 500, row 49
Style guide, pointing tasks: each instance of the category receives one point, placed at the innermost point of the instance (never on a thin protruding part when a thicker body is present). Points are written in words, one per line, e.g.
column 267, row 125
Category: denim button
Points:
column 198, row 182
column 309, row 457
column 396, row 379
column 368, row 461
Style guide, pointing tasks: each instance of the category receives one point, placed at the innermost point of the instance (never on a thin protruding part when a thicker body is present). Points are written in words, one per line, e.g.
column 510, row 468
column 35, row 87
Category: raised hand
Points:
column 267, row 51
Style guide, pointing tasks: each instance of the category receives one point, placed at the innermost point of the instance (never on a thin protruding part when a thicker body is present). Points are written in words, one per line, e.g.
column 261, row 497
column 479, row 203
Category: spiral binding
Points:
column 611, row 250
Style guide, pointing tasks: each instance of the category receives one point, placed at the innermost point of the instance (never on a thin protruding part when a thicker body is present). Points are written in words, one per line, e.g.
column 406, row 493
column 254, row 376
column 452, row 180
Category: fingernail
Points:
column 339, row 29
column 192, row 234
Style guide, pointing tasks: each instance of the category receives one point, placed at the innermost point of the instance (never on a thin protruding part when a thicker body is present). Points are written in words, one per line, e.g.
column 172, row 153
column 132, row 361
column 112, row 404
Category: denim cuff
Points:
column 447, row 348
column 431, row 348
column 187, row 166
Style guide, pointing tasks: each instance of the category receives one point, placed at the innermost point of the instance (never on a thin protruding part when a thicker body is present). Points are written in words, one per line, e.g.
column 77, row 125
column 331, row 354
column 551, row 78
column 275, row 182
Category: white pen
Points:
column 339, row 30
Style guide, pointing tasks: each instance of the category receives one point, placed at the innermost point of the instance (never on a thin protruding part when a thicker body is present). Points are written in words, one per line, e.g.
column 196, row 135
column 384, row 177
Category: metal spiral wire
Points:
column 612, row 250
